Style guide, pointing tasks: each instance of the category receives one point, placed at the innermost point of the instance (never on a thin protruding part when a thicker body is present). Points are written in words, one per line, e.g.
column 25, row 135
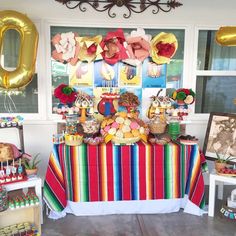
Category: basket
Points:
column 157, row 128
column 125, row 141
column 73, row 140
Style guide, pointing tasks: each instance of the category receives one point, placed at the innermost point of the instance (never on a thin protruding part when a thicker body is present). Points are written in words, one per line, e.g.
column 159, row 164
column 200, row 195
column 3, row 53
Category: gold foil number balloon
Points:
column 226, row 36
column 25, row 69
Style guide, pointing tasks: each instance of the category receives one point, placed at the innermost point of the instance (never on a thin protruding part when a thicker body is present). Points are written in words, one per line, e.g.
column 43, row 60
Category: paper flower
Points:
column 65, row 94
column 163, row 47
column 113, row 47
column 138, row 46
column 66, row 48
column 187, row 96
column 90, row 49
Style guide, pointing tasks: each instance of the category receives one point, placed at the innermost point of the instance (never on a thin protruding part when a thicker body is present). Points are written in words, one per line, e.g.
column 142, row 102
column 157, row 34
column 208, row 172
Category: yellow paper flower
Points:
column 90, row 49
column 163, row 47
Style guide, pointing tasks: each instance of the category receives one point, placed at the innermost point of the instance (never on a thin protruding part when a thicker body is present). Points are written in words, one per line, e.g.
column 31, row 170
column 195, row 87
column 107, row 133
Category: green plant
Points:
column 222, row 158
column 31, row 163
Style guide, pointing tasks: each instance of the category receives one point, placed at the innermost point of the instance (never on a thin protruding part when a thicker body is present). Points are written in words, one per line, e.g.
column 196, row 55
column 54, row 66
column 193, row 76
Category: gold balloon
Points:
column 24, row 72
column 226, row 36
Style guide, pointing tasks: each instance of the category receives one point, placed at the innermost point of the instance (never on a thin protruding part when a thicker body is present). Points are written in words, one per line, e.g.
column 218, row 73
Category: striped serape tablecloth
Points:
column 109, row 172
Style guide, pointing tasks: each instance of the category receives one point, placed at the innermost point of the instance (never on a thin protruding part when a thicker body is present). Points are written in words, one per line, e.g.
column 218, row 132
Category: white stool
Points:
column 213, row 178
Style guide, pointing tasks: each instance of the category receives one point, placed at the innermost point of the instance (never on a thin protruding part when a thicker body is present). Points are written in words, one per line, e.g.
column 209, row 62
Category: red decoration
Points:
column 113, row 48
column 65, row 94
column 165, row 49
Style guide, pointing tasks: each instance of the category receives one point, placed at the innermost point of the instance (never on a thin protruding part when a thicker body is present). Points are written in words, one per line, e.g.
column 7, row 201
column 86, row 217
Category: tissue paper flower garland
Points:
column 187, row 96
column 67, row 48
column 114, row 47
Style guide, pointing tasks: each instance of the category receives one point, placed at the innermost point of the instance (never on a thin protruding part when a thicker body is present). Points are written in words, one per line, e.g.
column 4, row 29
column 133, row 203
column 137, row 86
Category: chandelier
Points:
column 130, row 5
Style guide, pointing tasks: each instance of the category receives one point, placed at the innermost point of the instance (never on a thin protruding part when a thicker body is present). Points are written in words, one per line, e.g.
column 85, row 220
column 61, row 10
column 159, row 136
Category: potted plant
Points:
column 31, row 165
column 222, row 161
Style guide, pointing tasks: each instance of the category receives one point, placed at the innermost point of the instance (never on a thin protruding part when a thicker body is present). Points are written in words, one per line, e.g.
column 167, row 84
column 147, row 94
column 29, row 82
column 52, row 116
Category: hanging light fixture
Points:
column 130, row 5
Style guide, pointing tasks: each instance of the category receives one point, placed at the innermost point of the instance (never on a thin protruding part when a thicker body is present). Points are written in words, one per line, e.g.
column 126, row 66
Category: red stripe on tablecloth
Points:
column 126, row 172
column 142, row 171
column 178, row 169
column 110, row 178
column 93, row 173
column 159, row 171
column 61, row 152
column 56, row 187
column 198, row 192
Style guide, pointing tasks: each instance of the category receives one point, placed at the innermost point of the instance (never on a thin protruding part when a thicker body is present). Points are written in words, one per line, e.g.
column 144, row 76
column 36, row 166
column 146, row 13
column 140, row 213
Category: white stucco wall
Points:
column 38, row 133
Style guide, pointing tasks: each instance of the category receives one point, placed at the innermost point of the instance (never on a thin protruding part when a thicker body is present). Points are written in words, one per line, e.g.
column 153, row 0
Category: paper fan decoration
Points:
column 163, row 47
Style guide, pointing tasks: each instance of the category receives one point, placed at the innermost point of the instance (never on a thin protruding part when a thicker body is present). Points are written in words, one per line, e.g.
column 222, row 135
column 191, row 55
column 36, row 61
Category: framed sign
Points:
column 220, row 136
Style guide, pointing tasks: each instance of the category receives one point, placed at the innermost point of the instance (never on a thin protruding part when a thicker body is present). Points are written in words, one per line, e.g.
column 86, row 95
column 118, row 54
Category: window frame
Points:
column 196, row 72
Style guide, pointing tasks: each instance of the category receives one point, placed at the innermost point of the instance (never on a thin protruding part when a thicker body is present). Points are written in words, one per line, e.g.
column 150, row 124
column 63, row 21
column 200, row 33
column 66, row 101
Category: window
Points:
column 216, row 75
column 24, row 100
column 60, row 73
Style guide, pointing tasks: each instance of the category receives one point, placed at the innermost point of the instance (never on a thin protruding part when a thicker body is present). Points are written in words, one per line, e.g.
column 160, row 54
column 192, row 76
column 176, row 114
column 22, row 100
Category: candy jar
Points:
column 71, row 123
column 174, row 128
column 90, row 126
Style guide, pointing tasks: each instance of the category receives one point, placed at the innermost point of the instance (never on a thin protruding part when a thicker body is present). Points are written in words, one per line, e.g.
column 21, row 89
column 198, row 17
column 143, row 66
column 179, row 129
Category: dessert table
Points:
column 113, row 179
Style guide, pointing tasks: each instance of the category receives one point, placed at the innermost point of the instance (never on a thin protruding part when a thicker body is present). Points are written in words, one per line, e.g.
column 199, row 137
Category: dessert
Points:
column 123, row 129
column 188, row 139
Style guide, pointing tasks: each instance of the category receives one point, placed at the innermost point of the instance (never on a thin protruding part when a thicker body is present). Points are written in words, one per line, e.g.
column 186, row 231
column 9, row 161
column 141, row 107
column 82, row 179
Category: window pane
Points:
column 24, row 101
column 212, row 56
column 215, row 94
column 10, row 49
column 61, row 72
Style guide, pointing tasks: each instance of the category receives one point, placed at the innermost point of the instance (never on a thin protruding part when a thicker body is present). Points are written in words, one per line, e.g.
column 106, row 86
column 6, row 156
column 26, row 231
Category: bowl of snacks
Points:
column 123, row 129
column 90, row 127
column 94, row 140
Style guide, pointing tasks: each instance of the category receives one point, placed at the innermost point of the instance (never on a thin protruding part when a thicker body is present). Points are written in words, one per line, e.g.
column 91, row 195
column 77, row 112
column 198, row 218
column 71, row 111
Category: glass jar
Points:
column 71, row 124
column 91, row 126
column 157, row 125
column 174, row 128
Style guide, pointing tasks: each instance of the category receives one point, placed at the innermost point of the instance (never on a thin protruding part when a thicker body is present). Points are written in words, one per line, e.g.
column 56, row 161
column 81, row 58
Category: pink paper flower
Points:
column 113, row 47
column 66, row 48
column 137, row 46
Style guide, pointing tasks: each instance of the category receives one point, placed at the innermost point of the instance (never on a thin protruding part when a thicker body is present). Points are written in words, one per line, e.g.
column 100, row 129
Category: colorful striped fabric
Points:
column 113, row 173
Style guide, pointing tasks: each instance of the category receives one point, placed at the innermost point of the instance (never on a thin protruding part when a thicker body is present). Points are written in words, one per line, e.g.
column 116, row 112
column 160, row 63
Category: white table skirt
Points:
column 128, row 207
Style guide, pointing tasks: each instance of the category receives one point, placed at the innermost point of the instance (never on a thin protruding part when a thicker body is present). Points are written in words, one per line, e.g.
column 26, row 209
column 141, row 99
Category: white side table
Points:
column 213, row 179
column 35, row 182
